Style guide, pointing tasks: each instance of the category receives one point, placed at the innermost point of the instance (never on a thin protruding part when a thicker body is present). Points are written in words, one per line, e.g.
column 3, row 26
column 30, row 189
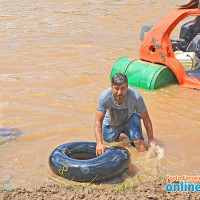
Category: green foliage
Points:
column 70, row 187
column 124, row 187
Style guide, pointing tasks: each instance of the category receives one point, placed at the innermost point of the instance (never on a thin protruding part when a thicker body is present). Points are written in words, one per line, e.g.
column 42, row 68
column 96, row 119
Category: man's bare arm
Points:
column 149, row 129
column 98, row 132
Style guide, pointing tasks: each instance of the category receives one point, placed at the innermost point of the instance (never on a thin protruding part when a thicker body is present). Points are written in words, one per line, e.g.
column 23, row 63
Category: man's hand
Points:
column 152, row 142
column 100, row 149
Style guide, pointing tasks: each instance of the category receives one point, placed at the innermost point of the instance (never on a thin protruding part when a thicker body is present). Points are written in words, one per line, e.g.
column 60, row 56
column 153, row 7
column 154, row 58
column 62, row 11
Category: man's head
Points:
column 119, row 86
column 119, row 79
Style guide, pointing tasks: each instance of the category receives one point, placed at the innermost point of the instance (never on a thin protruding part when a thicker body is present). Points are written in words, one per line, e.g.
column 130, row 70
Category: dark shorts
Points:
column 132, row 129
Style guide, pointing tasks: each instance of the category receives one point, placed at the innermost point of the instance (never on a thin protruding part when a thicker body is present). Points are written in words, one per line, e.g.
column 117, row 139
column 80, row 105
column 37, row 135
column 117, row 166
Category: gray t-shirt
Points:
column 117, row 115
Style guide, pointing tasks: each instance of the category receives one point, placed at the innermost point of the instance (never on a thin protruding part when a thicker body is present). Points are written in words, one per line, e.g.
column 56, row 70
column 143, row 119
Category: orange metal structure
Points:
column 157, row 48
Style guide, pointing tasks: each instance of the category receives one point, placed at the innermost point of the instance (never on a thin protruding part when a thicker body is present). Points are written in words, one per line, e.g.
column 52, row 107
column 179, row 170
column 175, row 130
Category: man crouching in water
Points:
column 120, row 110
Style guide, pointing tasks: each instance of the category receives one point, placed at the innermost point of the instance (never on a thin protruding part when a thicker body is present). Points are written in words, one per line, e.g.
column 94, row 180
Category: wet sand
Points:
column 149, row 190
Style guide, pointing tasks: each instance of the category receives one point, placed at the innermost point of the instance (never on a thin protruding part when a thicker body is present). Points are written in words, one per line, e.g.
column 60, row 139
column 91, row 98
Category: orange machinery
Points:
column 157, row 48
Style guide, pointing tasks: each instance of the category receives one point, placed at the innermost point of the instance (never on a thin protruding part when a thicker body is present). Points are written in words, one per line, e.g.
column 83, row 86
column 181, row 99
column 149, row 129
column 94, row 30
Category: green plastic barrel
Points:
column 144, row 74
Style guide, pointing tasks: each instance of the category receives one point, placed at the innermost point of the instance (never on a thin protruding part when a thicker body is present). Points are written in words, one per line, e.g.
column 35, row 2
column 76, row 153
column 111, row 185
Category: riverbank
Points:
column 149, row 190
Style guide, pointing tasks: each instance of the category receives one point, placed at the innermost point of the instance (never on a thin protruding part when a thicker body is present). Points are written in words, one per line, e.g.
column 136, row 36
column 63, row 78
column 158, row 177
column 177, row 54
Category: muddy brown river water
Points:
column 55, row 60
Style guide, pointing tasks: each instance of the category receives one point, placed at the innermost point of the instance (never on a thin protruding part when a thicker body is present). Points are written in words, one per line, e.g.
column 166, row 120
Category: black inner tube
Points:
column 82, row 156
column 78, row 161
column 81, row 152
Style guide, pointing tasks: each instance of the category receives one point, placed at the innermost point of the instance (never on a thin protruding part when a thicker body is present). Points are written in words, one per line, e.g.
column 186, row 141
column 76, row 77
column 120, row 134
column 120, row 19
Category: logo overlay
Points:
column 183, row 185
column 63, row 169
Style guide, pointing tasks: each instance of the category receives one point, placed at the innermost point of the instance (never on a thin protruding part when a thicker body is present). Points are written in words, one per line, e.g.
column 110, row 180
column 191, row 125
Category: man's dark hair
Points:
column 119, row 79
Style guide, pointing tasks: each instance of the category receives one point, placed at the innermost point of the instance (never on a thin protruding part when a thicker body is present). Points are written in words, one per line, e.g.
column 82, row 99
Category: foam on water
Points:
column 155, row 152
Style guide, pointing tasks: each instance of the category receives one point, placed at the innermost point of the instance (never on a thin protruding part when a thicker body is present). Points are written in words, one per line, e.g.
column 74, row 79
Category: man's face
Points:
column 119, row 91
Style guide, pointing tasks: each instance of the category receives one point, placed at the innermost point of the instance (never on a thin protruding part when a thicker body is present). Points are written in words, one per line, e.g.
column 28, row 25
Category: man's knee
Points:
column 140, row 145
column 110, row 134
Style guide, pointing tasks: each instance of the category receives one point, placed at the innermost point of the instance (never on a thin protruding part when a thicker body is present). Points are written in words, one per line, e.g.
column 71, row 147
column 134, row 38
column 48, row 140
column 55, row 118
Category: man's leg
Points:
column 134, row 132
column 140, row 145
column 111, row 133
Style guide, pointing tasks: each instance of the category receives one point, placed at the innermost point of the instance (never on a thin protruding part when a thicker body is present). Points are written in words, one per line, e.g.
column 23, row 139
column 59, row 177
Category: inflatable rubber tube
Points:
column 77, row 161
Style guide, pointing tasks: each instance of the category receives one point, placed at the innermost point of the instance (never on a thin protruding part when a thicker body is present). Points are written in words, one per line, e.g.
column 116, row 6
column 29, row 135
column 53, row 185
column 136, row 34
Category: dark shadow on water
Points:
column 8, row 134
